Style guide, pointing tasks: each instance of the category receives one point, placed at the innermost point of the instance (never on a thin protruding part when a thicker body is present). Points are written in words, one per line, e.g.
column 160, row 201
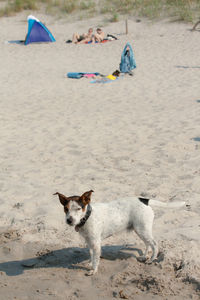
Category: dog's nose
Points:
column 69, row 221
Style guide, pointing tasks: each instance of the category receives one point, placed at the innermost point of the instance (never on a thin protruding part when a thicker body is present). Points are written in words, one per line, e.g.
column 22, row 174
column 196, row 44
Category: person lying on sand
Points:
column 98, row 36
column 83, row 38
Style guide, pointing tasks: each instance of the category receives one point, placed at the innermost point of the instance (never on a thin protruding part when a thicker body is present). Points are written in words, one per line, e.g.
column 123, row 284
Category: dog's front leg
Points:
column 91, row 257
column 95, row 252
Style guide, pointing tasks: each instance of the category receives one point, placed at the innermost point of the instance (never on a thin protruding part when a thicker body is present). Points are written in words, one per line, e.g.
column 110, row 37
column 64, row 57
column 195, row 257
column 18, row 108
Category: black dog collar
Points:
column 84, row 219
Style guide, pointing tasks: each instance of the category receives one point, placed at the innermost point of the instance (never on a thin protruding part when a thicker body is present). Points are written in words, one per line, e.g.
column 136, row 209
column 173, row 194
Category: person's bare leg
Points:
column 83, row 41
column 75, row 38
column 98, row 38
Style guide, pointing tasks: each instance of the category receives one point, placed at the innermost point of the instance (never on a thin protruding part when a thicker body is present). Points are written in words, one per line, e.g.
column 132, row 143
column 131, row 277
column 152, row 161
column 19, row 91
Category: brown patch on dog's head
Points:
column 81, row 200
column 86, row 198
column 63, row 199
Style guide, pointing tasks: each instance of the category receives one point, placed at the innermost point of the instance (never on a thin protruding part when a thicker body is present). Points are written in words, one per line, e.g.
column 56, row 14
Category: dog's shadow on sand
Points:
column 69, row 258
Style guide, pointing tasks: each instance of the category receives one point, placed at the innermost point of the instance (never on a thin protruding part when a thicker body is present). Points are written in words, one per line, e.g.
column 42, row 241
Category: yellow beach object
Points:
column 111, row 77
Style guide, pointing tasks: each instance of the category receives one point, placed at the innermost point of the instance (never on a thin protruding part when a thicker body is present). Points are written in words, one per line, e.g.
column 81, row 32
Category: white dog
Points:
column 102, row 220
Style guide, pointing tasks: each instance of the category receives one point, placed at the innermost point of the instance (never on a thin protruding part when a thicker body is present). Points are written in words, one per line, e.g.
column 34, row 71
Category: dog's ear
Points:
column 63, row 199
column 85, row 198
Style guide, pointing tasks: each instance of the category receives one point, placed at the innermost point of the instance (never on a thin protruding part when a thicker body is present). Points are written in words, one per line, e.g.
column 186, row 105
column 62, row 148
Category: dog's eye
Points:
column 78, row 208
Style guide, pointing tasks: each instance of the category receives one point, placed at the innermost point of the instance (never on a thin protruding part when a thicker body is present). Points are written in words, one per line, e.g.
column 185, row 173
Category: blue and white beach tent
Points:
column 37, row 32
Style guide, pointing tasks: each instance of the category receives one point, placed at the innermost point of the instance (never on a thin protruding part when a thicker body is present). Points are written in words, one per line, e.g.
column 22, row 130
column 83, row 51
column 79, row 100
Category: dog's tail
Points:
column 158, row 203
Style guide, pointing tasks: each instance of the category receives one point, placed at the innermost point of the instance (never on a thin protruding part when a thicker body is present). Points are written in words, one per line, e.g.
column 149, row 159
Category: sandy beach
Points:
column 138, row 135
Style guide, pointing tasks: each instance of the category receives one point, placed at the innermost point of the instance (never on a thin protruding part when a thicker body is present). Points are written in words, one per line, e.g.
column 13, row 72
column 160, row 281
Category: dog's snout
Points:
column 69, row 221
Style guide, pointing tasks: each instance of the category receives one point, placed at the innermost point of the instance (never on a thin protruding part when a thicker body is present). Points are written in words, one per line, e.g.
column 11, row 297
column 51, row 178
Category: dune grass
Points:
column 15, row 6
column 183, row 10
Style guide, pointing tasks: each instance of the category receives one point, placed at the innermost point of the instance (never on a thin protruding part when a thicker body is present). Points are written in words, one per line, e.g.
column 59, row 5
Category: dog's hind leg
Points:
column 144, row 257
column 149, row 241
column 147, row 249
column 154, row 246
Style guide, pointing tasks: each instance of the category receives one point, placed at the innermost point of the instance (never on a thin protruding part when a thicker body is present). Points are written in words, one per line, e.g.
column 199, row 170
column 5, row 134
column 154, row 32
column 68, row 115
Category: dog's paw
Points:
column 142, row 259
column 90, row 273
column 149, row 261
column 89, row 264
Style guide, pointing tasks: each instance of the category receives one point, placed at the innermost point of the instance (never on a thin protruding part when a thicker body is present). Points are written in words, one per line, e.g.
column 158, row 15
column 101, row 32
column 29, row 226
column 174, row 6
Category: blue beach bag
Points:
column 127, row 59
